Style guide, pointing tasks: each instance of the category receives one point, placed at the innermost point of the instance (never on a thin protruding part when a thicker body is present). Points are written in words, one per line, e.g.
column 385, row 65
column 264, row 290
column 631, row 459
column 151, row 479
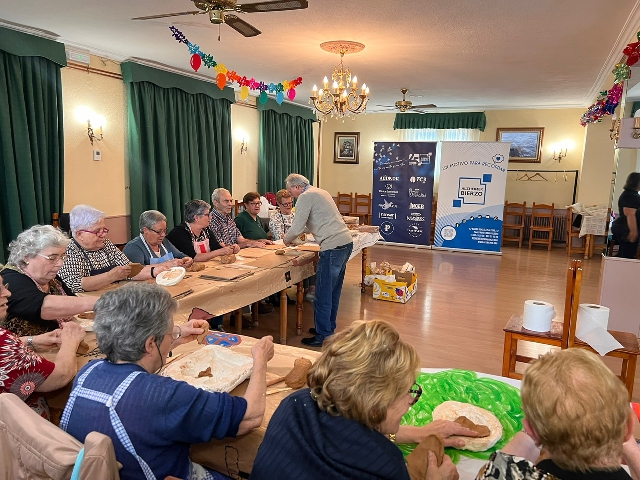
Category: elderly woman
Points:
column 194, row 236
column 162, row 417
column 41, row 301
column 577, row 410
column 152, row 247
column 23, row 372
column 281, row 220
column 248, row 222
column 93, row 262
column 625, row 227
column 344, row 426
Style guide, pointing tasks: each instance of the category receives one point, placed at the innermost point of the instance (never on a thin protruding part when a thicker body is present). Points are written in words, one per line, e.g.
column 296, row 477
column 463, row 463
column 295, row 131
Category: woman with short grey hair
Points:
column 152, row 247
column 40, row 300
column 161, row 417
column 93, row 262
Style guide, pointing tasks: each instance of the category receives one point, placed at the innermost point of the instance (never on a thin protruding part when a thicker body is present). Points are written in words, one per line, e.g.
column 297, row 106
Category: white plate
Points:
column 170, row 277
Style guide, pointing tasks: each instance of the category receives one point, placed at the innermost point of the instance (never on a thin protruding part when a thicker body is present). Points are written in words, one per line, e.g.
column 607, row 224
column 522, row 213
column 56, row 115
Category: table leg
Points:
column 283, row 317
column 300, row 306
column 506, row 355
column 239, row 321
column 631, row 374
column 364, row 267
column 587, row 246
column 592, row 245
column 254, row 314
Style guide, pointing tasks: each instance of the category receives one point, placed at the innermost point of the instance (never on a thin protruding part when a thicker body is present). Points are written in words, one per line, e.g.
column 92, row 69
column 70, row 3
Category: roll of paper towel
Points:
column 591, row 328
column 538, row 315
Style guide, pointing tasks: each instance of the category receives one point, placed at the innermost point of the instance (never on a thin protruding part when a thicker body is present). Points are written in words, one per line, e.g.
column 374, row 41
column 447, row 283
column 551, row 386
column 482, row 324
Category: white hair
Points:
column 83, row 216
column 149, row 218
column 296, row 180
column 32, row 241
column 215, row 195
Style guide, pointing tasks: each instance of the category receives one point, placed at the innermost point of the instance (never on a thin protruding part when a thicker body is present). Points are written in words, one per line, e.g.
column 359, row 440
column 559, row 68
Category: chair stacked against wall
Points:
column 541, row 222
column 513, row 219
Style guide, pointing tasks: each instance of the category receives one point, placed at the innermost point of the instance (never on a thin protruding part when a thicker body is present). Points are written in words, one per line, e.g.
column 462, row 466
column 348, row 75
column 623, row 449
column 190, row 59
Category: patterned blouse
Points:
column 502, row 466
column 224, row 228
column 22, row 371
column 279, row 224
column 80, row 262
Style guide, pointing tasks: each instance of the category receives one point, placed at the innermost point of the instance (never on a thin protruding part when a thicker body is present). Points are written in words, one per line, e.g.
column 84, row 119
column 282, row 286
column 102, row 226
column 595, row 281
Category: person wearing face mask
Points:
column 93, row 261
column 41, row 301
column 151, row 419
column 23, row 371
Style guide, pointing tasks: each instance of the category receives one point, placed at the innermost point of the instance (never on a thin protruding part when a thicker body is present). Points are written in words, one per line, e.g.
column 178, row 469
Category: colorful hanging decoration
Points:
column 198, row 58
column 608, row 100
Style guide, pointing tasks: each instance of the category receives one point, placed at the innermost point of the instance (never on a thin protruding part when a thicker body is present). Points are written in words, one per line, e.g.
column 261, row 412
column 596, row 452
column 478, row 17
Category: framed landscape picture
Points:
column 526, row 143
column 346, row 147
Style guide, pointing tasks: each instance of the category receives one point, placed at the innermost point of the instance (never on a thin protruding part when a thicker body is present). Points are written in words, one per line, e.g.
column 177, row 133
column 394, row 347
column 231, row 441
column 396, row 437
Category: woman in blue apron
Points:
column 152, row 247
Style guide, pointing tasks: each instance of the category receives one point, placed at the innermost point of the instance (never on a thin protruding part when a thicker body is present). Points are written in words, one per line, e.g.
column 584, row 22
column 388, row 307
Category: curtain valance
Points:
column 288, row 108
column 24, row 45
column 441, row 121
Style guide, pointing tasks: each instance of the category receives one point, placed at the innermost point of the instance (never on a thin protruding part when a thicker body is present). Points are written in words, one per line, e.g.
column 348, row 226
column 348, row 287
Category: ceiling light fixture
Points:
column 342, row 99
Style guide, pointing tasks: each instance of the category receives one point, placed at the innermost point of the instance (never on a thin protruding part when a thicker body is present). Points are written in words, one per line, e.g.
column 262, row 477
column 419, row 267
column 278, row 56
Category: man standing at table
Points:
column 317, row 213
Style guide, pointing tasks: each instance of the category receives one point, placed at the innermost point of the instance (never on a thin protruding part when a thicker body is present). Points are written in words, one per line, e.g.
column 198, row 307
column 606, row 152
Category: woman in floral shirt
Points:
column 23, row 372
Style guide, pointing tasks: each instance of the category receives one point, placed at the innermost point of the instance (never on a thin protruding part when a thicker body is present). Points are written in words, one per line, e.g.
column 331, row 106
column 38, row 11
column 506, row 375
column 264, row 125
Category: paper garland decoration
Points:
column 608, row 100
column 198, row 57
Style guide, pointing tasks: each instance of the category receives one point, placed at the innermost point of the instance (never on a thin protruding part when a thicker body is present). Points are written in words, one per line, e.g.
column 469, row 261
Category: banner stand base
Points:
column 410, row 245
column 465, row 250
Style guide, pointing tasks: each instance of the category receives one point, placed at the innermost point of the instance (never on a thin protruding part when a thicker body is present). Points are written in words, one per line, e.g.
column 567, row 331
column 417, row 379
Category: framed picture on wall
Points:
column 526, row 143
column 346, row 147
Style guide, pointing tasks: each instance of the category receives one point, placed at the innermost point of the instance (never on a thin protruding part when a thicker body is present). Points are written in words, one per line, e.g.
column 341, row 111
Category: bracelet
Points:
column 392, row 437
column 30, row 344
column 152, row 275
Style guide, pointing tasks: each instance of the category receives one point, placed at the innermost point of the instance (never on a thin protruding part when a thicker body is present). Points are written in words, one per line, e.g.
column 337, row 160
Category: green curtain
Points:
column 286, row 146
column 179, row 149
column 31, row 144
column 440, row 121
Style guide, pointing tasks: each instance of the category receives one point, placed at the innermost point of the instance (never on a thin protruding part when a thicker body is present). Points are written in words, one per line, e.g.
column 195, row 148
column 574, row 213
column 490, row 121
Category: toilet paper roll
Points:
column 538, row 315
column 591, row 328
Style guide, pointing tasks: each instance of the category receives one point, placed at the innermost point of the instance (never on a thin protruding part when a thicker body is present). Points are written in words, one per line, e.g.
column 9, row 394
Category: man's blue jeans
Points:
column 329, row 277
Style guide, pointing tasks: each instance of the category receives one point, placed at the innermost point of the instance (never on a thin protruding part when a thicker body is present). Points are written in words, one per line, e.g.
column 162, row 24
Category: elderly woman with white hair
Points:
column 152, row 247
column 40, row 300
column 153, row 419
column 93, row 262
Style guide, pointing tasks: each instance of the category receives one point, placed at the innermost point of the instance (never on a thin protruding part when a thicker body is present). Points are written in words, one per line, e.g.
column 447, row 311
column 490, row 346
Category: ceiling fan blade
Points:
column 240, row 26
column 195, row 12
column 276, row 6
column 429, row 105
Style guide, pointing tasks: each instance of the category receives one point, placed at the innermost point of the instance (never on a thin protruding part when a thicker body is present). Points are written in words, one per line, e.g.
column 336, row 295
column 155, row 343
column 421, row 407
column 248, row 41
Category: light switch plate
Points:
column 97, row 155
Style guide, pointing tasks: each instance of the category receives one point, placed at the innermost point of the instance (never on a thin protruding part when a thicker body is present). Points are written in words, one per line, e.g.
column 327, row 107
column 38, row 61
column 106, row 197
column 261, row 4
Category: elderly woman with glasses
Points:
column 93, row 262
column 194, row 236
column 281, row 220
column 23, row 372
column 41, row 301
column 344, row 426
column 152, row 419
column 152, row 247
column 248, row 221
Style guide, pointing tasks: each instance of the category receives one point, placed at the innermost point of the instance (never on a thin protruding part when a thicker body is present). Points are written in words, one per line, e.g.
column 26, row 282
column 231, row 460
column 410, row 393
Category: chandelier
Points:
column 342, row 99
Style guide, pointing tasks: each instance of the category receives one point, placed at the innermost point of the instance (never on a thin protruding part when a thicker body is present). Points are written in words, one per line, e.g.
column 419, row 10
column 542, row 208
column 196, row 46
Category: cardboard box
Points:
column 400, row 291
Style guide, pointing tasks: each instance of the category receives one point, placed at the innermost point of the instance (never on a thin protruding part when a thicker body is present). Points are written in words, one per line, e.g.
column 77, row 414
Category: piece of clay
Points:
column 297, row 377
column 482, row 430
column 205, row 373
column 87, row 315
column 195, row 267
column 418, row 460
column 82, row 348
column 224, row 259
column 280, row 251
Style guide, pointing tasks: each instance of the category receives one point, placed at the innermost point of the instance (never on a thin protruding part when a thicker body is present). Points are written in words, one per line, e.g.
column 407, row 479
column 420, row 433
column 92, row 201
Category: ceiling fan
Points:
column 220, row 12
column 404, row 104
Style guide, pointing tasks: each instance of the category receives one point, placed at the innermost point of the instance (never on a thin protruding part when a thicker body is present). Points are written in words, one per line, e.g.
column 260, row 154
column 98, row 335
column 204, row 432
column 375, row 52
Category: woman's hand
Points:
column 226, row 250
column 443, row 428
column 71, row 333
column 120, row 272
column 47, row 340
column 446, row 471
column 187, row 262
column 190, row 331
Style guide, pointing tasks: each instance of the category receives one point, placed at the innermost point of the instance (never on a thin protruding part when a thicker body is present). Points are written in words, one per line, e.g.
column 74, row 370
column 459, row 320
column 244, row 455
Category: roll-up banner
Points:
column 473, row 177
column 403, row 191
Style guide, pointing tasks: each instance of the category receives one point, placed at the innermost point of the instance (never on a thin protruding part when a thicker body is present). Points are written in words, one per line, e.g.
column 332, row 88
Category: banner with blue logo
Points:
column 473, row 177
column 403, row 190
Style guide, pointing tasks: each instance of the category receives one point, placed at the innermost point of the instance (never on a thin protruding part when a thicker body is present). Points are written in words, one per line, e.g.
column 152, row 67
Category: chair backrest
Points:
column 345, row 202
column 362, row 203
column 542, row 214
column 62, row 221
column 513, row 209
column 571, row 303
column 237, row 208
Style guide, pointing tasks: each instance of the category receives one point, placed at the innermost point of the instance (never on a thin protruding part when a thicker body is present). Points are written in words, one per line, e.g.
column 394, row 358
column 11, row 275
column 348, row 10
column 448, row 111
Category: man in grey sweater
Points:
column 317, row 213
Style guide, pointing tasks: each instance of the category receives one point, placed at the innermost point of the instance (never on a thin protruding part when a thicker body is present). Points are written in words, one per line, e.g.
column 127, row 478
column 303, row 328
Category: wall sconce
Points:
column 560, row 155
column 91, row 133
column 614, row 131
column 243, row 146
column 561, row 149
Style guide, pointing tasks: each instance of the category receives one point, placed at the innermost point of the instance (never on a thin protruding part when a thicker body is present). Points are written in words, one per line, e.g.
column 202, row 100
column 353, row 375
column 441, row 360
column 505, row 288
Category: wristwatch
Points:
column 30, row 344
column 152, row 269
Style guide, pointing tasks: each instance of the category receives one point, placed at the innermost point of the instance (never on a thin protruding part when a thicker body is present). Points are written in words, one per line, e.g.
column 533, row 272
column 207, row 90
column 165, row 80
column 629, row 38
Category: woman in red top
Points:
column 23, row 372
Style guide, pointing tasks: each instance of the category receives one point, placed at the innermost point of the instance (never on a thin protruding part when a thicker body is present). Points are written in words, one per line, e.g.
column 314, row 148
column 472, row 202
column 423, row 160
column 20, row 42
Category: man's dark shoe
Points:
column 264, row 308
column 313, row 331
column 312, row 342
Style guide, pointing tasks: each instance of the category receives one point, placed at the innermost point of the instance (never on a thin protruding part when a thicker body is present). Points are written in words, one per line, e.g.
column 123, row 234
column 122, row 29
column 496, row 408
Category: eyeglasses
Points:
column 206, row 214
column 288, row 204
column 4, row 286
column 176, row 333
column 54, row 258
column 415, row 393
column 99, row 232
column 159, row 232
column 255, row 204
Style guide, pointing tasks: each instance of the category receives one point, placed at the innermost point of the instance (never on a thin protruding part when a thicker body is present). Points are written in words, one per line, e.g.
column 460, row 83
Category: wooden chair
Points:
column 237, row 208
column 542, row 222
column 362, row 208
column 513, row 219
column 573, row 232
column 345, row 201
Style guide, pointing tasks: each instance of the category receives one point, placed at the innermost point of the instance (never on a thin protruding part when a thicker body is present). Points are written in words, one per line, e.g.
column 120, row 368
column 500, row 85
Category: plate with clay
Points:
column 170, row 277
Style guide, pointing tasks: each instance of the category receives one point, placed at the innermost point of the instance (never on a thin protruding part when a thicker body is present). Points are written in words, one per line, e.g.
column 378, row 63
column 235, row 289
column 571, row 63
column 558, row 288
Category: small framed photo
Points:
column 526, row 143
column 346, row 147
